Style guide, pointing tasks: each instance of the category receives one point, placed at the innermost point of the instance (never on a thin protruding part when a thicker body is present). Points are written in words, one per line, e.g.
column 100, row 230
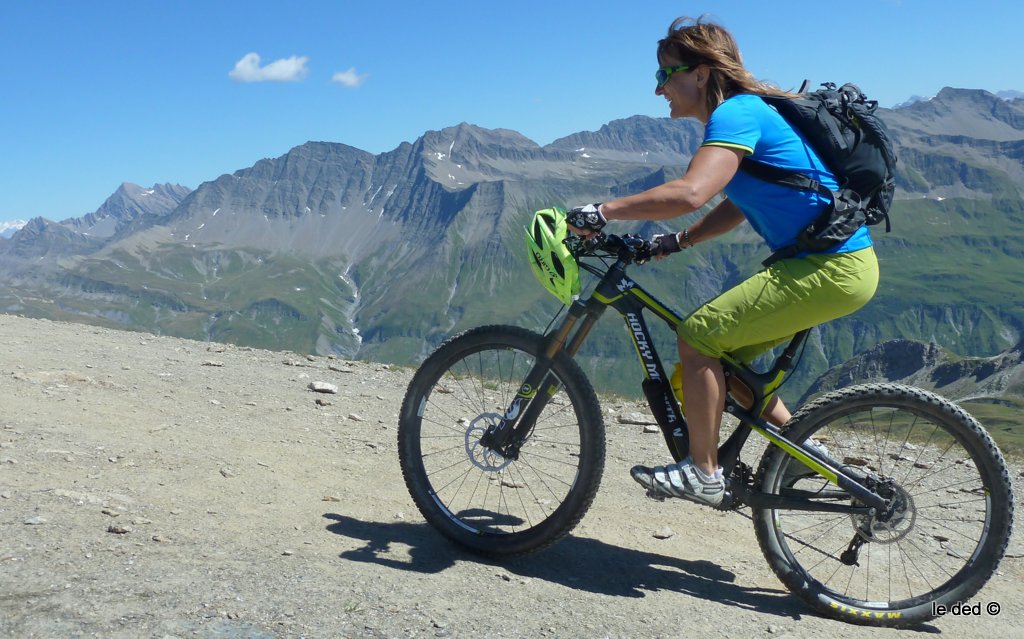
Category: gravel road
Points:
column 160, row 487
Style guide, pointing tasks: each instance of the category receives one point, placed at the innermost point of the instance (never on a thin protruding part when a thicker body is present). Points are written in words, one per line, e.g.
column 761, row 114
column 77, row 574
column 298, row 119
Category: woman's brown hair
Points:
column 698, row 41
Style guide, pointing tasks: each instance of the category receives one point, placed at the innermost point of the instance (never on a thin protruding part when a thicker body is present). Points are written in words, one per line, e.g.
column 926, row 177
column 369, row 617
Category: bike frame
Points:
column 749, row 394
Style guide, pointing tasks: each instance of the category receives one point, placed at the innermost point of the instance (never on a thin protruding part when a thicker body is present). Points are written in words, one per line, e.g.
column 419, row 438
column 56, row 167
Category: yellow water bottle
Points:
column 677, row 385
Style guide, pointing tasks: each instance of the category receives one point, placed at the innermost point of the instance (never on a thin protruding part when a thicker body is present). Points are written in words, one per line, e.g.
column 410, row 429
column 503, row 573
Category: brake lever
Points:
column 642, row 248
column 643, row 255
column 595, row 242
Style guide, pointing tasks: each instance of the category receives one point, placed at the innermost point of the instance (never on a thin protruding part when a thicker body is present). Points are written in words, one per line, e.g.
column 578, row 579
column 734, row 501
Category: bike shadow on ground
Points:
column 575, row 562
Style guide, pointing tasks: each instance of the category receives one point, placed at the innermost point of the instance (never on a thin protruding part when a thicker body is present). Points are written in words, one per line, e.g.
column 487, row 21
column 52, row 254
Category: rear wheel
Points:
column 474, row 495
column 947, row 525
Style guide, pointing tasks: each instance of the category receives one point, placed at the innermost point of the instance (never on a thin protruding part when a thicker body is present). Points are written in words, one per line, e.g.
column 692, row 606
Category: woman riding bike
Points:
column 702, row 76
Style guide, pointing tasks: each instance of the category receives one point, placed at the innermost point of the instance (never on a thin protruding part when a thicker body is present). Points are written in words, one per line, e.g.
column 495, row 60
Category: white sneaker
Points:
column 796, row 470
column 682, row 480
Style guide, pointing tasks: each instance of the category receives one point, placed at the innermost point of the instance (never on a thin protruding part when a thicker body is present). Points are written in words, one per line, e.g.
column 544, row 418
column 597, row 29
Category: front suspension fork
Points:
column 508, row 435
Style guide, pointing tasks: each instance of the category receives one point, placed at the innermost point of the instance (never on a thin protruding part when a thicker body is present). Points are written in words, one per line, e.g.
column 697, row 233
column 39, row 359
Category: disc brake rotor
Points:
column 486, row 459
column 893, row 525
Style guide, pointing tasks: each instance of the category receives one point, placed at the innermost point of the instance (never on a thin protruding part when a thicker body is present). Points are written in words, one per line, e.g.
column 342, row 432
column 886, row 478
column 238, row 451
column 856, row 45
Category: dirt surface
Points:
column 159, row 487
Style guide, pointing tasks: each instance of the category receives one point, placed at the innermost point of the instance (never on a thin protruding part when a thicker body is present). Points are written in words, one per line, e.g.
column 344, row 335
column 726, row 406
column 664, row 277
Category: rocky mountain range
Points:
column 929, row 366
column 129, row 205
column 329, row 249
column 990, row 388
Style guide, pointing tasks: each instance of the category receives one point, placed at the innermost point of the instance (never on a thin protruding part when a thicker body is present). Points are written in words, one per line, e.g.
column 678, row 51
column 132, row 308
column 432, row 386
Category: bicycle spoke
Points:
column 838, row 519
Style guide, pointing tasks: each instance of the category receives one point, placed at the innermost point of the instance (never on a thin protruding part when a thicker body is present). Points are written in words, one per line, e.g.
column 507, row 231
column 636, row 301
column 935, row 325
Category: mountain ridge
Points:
column 130, row 202
column 927, row 365
column 990, row 388
column 331, row 249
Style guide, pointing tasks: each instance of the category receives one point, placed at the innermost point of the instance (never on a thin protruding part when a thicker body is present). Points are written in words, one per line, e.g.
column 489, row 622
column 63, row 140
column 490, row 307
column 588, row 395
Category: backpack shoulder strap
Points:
column 784, row 177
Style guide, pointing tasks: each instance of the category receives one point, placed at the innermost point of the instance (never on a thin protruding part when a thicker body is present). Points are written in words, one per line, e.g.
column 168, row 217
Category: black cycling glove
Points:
column 665, row 244
column 588, row 218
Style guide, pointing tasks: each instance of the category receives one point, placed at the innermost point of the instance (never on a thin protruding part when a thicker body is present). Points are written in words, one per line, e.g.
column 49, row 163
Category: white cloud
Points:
column 349, row 78
column 248, row 69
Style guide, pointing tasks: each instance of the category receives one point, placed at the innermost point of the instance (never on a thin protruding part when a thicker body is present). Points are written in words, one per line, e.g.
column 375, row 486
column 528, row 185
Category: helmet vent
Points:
column 538, row 237
column 557, row 263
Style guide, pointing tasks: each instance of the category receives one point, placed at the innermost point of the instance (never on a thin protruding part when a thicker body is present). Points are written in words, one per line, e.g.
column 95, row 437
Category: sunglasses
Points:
column 663, row 74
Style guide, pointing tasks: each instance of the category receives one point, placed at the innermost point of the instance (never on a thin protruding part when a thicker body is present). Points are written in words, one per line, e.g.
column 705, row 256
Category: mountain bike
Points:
column 874, row 504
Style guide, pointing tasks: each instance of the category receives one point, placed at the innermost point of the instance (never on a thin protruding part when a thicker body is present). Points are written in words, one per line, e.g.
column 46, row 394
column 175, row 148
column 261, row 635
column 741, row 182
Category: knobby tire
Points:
column 474, row 496
column 945, row 539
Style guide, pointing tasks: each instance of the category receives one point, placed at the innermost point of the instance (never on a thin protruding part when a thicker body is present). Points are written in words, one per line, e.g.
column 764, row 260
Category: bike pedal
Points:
column 655, row 496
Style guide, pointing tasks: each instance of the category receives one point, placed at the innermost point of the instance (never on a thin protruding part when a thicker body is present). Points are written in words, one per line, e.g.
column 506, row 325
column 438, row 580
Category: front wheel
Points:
column 949, row 514
column 471, row 493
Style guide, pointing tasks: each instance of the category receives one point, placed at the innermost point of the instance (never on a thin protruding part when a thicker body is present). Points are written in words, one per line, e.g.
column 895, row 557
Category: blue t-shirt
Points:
column 778, row 213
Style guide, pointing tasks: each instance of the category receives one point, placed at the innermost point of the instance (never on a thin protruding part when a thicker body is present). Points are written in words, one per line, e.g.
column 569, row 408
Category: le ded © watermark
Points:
column 960, row 609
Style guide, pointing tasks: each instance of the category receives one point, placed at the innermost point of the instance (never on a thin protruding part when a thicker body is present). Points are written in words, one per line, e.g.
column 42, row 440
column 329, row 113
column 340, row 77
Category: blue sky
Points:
column 99, row 93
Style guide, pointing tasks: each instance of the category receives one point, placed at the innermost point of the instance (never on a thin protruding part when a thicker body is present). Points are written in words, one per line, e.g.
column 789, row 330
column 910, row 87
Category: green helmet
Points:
column 552, row 263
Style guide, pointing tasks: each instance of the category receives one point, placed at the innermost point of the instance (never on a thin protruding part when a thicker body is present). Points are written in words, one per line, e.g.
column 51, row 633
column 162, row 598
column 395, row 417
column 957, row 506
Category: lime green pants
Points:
column 789, row 296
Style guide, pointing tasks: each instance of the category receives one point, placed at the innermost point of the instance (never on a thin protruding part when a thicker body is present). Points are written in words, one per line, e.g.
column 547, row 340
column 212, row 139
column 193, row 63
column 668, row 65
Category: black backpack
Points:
column 854, row 143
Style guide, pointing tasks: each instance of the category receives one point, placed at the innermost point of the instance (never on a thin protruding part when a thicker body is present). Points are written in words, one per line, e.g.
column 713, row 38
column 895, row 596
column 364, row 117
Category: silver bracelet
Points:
column 686, row 242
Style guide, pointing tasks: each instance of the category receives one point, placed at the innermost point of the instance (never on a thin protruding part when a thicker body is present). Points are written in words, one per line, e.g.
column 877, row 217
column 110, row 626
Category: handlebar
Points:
column 630, row 248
